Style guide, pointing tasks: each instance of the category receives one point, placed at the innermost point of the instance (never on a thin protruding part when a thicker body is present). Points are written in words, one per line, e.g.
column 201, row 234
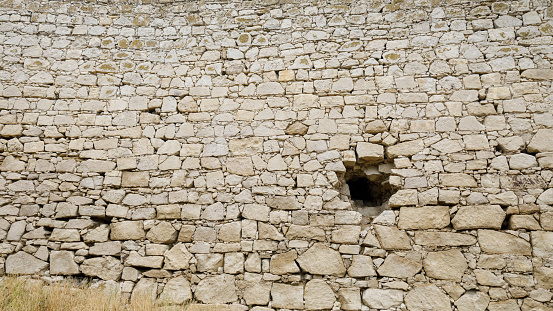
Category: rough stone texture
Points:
column 177, row 291
column 445, row 265
column 478, row 217
column 472, row 301
column 320, row 259
column 216, row 289
column 427, row 297
column 160, row 142
column 382, row 298
column 318, row 295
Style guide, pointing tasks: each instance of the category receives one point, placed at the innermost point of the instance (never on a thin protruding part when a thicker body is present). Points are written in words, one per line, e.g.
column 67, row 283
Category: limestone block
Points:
column 287, row 296
column 445, row 265
column 346, row 235
column 391, row 238
column 507, row 305
column 476, row 142
column 214, row 211
column 427, row 297
column 542, row 243
column 127, row 230
column 146, row 288
column 270, row 88
column 522, row 161
column 537, row 74
column 546, row 221
column 96, row 166
column 508, row 198
column 305, row 232
column 527, row 222
column 177, row 258
column 457, row 180
column 382, row 298
column 24, row 263
column 544, row 277
column 546, row 197
column 283, row 202
column 404, row 197
column 257, row 293
column 137, row 260
column 370, row 152
column 106, row 268
column 495, row 242
column 350, row 298
column 284, row 263
column 443, row 239
column 478, row 217
column 162, row 233
column 488, row 278
column 541, row 141
column 240, row 166
column 216, row 289
column 112, row 248
column 473, row 301
column 65, row 235
column 176, row 291
column 256, row 212
column 428, row 217
column 399, row 267
column 63, row 263
column 361, row 266
column 405, row 149
column 318, row 295
column 230, row 232
column 135, row 179
column 16, row 230
column 322, row 260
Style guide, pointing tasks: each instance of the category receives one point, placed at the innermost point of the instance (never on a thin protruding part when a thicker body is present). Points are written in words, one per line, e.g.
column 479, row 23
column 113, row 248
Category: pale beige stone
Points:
column 406, row 149
column 350, row 298
column 382, row 298
column 478, row 217
column 318, row 295
column 107, row 268
column 473, row 301
column 216, row 289
column 427, row 297
column 177, row 258
column 162, row 233
column 176, row 291
column 443, row 239
column 63, row 263
column 322, row 260
column 361, row 266
column 369, row 152
column 428, row 217
column 495, row 242
column 257, row 293
column 445, row 265
column 542, row 243
column 399, row 267
column 391, row 238
column 127, row 230
column 24, row 263
column 287, row 296
column 541, row 141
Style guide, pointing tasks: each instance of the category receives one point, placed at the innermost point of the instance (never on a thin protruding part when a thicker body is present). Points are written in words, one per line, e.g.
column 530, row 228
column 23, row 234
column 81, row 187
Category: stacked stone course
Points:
column 193, row 150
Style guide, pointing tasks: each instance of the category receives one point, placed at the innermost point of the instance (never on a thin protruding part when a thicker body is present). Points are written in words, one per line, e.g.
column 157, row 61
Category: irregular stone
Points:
column 284, row 263
column 176, row 291
column 240, row 166
column 177, row 258
column 546, row 197
column 537, row 74
column 495, row 242
column 318, row 295
column 127, row 230
column 350, row 298
column 507, row 305
column 137, row 260
column 107, row 268
column 542, row 243
column 322, row 260
column 405, row 149
column 24, row 263
column 163, row 233
column 443, row 239
column 399, row 267
column 361, row 266
column 257, row 293
column 216, row 289
column 368, row 152
column 63, row 263
column 478, row 217
column 427, row 297
column 382, row 298
column 283, row 202
column 428, row 217
column 392, row 238
column 287, row 296
column 541, row 141
column 296, row 128
column 457, row 180
column 473, row 301
column 445, row 265
column 404, row 197
column 146, row 288
column 544, row 277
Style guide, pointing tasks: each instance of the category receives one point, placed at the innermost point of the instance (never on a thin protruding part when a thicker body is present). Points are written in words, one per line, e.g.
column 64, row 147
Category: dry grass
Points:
column 17, row 294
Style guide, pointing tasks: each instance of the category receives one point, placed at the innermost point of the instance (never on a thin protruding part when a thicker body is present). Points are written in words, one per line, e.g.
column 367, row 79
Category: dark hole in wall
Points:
column 369, row 190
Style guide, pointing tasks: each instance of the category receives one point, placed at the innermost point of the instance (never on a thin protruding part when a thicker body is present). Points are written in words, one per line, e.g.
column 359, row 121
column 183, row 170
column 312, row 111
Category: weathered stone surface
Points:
column 507, row 305
column 284, row 263
column 322, row 260
column 177, row 258
column 399, row 267
column 382, row 298
column 216, row 289
column 361, row 266
column 146, row 288
column 176, row 291
column 287, row 296
column 445, row 265
column 370, row 152
column 24, row 263
column 473, row 301
column 350, row 298
column 544, row 277
column 428, row 217
column 392, row 238
column 135, row 259
column 537, row 74
column 296, row 128
column 257, row 293
column 405, row 149
column 542, row 243
column 163, row 233
column 443, row 239
column 240, row 166
column 478, row 217
column 127, row 230
column 427, row 297
column 318, row 295
column 404, row 197
column 63, row 263
column 541, row 141
column 502, row 243
column 107, row 268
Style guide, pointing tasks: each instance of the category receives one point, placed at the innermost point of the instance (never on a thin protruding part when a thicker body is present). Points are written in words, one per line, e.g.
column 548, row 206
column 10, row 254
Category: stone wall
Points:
column 206, row 151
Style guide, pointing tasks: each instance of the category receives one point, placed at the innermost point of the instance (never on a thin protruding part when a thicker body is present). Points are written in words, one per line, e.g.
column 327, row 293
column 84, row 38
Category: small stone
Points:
column 296, row 128
column 427, row 297
column 177, row 258
column 361, row 266
column 127, row 230
column 216, row 289
column 541, row 142
column 405, row 149
column 284, row 263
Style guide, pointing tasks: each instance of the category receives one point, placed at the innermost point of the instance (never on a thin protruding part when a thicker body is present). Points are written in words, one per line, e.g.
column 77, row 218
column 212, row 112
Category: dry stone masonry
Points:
column 282, row 155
